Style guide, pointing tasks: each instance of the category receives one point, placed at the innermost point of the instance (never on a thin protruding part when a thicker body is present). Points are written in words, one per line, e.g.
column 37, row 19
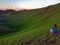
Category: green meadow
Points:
column 29, row 27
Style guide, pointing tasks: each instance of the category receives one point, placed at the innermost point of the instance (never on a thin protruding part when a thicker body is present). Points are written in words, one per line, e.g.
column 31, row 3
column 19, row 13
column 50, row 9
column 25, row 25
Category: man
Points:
column 54, row 29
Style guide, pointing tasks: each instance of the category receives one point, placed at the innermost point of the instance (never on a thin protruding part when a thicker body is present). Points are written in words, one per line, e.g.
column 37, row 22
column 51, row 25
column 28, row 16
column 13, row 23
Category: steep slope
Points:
column 30, row 25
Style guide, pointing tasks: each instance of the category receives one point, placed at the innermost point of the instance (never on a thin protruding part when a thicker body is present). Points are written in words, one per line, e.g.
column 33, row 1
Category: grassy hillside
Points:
column 27, row 26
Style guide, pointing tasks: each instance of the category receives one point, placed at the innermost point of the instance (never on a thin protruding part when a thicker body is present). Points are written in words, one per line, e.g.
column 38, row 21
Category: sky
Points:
column 26, row 4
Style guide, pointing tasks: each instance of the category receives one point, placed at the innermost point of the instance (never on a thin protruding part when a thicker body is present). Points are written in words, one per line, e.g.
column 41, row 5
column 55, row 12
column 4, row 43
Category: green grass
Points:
column 30, row 24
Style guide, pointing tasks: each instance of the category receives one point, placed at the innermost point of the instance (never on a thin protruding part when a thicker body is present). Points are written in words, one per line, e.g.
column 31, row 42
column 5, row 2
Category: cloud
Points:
column 27, row 4
column 31, row 4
